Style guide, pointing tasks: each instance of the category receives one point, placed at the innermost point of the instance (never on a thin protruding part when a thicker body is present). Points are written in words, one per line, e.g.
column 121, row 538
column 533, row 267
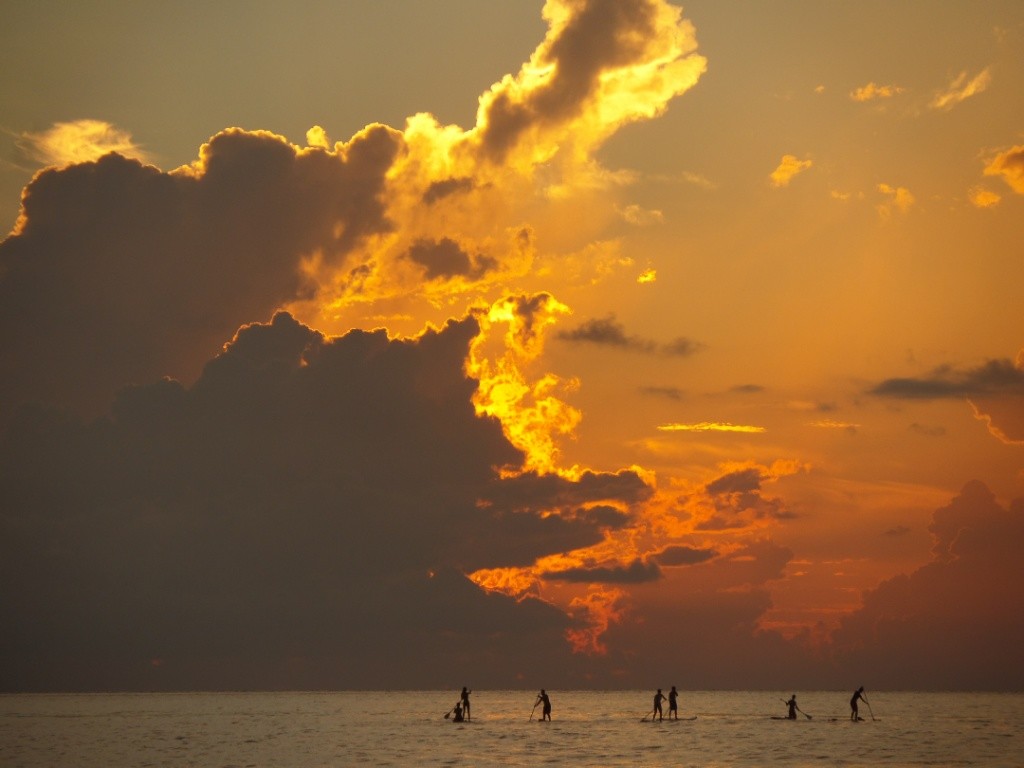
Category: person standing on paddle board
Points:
column 465, row 701
column 542, row 697
column 792, row 707
column 673, row 704
column 658, row 698
column 857, row 696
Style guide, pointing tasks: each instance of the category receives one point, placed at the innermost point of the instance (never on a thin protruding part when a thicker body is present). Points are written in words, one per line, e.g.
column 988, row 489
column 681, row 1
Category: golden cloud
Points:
column 710, row 426
column 1010, row 166
column 789, row 166
column 899, row 198
column 80, row 141
column 872, row 91
column 981, row 197
column 961, row 89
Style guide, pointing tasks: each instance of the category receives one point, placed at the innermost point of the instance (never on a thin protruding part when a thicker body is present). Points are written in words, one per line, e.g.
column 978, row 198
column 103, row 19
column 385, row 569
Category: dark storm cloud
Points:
column 957, row 622
column 637, row 572
column 123, row 273
column 308, row 504
column 994, row 378
column 683, row 555
column 445, row 258
column 611, row 333
column 741, row 481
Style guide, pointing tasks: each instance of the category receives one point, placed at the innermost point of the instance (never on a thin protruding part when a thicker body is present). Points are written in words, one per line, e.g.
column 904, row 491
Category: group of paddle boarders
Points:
column 460, row 712
column 858, row 695
column 673, row 705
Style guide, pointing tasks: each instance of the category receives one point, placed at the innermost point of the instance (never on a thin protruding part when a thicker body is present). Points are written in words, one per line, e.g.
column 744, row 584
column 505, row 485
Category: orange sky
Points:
column 666, row 340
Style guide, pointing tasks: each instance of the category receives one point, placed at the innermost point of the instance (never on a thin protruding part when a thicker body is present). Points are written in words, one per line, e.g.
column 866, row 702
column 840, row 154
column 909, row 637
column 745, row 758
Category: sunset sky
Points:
column 579, row 343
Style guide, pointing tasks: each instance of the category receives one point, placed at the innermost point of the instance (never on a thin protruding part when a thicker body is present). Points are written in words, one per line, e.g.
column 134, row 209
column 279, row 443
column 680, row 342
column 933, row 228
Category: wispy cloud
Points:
column 788, row 167
column 79, row 141
column 710, row 426
column 898, row 198
column 960, row 89
column 873, row 91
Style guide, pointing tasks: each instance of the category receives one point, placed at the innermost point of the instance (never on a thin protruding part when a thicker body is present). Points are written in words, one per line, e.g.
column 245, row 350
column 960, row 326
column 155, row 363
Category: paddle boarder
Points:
column 858, row 695
column 457, row 718
column 658, row 698
column 673, row 704
column 465, row 701
column 792, row 707
column 542, row 698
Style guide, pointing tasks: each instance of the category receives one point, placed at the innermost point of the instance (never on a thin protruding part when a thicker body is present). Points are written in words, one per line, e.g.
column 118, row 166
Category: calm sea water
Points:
column 301, row 730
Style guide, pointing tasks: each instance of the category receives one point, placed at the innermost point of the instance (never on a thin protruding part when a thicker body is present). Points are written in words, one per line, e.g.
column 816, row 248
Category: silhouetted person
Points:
column 858, row 695
column 658, row 698
column 465, row 701
column 673, row 704
column 542, row 698
column 792, row 707
column 458, row 713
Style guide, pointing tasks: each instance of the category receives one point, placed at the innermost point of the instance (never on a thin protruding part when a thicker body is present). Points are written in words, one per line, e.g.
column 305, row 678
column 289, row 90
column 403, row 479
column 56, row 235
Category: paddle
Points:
column 532, row 711
column 869, row 707
column 644, row 718
column 449, row 713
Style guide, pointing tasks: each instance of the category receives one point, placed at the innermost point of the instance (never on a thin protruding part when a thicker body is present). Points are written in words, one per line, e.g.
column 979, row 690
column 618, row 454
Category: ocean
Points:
column 588, row 728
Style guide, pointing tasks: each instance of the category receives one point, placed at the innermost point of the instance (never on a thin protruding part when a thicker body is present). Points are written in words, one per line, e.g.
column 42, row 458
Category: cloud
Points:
column 927, row 430
column 955, row 622
column 834, row 424
column 635, row 572
column 899, row 198
column 307, row 500
column 960, row 89
column 604, row 63
column 446, row 259
column 981, row 197
column 641, row 217
column 993, row 378
column 609, row 332
column 872, row 92
column 336, row 233
column 670, row 393
column 995, row 391
column 118, row 272
column 683, row 555
column 80, row 141
column 711, row 426
column 1010, row 166
column 788, row 167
